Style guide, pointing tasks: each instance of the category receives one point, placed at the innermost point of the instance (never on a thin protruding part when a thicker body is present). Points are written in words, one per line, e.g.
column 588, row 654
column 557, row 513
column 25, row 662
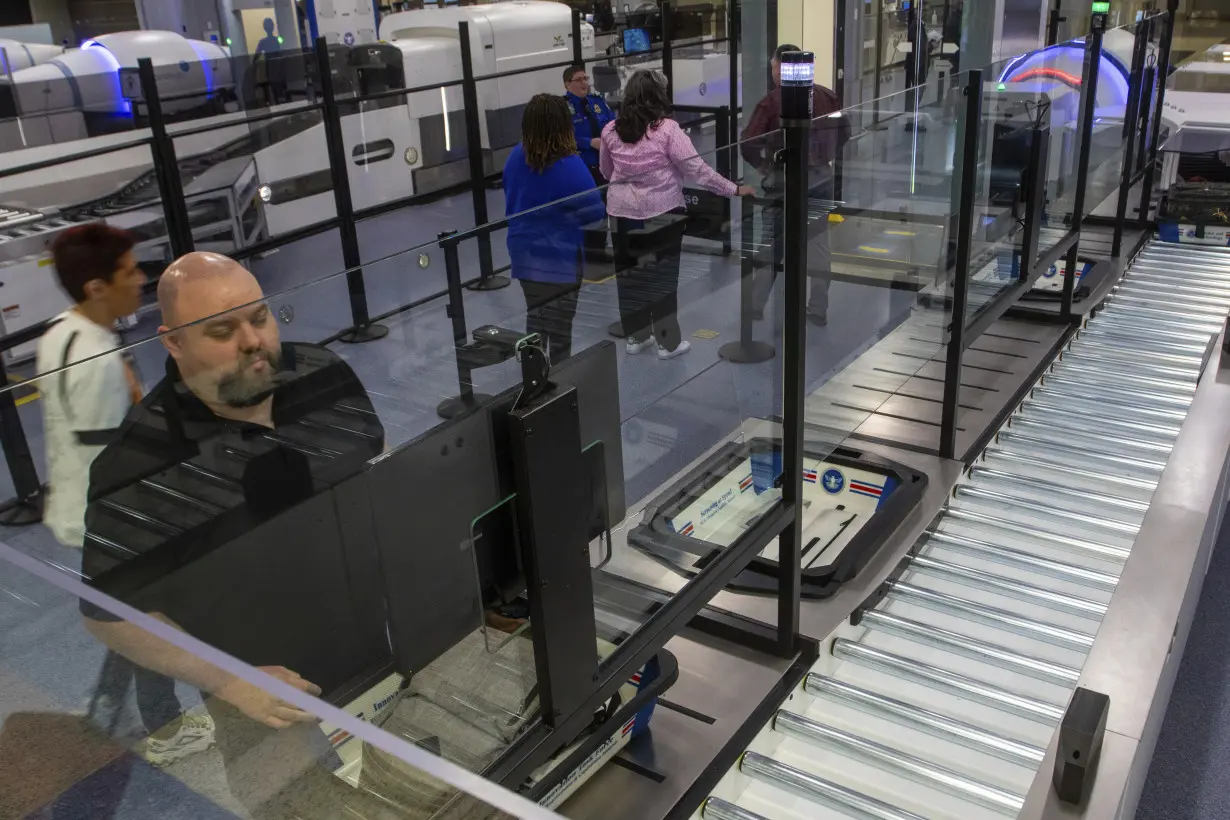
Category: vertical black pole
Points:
column 878, row 80
column 732, row 51
column 166, row 165
column 1052, row 25
column 362, row 329
column 27, row 507
column 578, row 54
column 1089, row 101
column 456, row 311
column 1130, row 116
column 796, row 120
column 745, row 349
column 965, row 238
column 1145, row 117
column 478, row 172
column 668, row 49
column 1163, row 73
column 726, row 167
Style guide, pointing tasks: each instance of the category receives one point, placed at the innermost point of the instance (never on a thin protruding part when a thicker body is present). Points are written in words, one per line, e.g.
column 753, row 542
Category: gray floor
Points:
column 1189, row 778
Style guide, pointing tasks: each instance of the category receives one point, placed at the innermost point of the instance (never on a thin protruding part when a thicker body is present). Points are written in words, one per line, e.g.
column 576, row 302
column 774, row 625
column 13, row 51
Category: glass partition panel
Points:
column 108, row 710
column 1108, row 141
column 881, row 226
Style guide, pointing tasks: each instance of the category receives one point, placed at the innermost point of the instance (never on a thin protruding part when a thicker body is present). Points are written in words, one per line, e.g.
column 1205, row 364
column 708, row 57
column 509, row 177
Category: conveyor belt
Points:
column 941, row 702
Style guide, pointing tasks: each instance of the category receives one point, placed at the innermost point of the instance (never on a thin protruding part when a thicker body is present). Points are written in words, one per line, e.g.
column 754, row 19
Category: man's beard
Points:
column 242, row 388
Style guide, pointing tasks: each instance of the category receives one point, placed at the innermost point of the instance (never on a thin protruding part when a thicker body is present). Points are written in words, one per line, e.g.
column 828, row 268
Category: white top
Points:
column 81, row 407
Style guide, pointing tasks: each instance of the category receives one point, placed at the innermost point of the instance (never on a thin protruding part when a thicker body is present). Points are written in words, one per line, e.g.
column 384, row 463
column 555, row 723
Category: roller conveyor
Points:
column 939, row 702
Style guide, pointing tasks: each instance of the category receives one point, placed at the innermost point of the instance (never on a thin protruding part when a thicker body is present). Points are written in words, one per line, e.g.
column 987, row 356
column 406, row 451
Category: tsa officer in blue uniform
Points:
column 590, row 114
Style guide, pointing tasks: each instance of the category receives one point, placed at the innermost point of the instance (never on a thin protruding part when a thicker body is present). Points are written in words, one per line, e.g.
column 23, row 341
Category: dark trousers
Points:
column 549, row 309
column 819, row 255
column 647, row 279
column 156, row 698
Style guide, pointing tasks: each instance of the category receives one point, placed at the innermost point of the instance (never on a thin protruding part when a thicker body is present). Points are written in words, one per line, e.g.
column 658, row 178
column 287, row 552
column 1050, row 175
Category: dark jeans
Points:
column 819, row 255
column 647, row 279
column 549, row 309
column 156, row 698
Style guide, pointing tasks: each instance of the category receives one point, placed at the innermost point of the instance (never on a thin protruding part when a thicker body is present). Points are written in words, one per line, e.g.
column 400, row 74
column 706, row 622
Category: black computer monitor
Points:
column 443, row 518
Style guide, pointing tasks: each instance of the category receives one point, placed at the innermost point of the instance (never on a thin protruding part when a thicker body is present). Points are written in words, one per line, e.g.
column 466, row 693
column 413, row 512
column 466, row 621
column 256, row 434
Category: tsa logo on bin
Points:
column 833, row 481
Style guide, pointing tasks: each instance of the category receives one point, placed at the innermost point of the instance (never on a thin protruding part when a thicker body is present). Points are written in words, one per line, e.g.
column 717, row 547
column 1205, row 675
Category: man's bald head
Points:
column 219, row 330
column 201, row 284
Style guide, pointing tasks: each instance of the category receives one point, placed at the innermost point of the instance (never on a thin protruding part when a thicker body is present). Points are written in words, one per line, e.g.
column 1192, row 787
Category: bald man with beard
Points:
column 243, row 427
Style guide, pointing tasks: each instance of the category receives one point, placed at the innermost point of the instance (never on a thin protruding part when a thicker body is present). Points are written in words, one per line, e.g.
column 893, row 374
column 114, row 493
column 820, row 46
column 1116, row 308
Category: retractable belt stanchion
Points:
column 746, row 350
column 488, row 280
column 466, row 399
column 362, row 329
column 798, row 77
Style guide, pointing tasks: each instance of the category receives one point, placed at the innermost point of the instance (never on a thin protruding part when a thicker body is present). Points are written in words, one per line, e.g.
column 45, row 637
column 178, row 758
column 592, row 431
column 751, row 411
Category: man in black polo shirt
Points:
column 242, row 427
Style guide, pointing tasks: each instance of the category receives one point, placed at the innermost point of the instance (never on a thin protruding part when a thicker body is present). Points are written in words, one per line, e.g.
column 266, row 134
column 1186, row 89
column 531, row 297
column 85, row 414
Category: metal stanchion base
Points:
column 367, row 333
column 490, row 283
column 460, row 405
column 22, row 512
column 749, row 352
column 616, row 329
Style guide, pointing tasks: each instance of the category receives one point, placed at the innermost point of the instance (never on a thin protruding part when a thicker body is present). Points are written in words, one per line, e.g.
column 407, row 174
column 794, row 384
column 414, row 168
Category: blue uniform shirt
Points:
column 589, row 117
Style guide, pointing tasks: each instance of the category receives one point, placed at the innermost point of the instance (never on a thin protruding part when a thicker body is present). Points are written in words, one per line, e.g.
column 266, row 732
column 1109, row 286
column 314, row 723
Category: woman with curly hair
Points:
column 549, row 196
column 647, row 158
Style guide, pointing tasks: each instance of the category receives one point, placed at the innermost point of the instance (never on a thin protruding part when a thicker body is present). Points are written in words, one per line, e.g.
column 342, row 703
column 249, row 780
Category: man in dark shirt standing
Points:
column 242, row 427
column 590, row 114
column 760, row 143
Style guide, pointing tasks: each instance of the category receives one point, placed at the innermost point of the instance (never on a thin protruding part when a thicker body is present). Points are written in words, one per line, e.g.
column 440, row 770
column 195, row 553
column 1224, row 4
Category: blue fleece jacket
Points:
column 545, row 244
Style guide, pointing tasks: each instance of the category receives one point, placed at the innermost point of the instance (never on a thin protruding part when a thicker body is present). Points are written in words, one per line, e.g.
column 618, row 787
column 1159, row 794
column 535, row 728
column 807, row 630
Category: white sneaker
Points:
column 193, row 733
column 633, row 347
column 684, row 347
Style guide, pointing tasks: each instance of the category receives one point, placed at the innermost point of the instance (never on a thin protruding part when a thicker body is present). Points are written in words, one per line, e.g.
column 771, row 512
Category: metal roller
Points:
column 1178, row 269
column 717, row 809
column 1061, row 419
column 972, row 648
column 993, row 476
column 1188, row 344
column 1072, row 387
column 990, row 616
column 1145, row 369
column 818, row 790
column 997, row 454
column 950, row 682
column 1047, row 511
column 1148, row 459
column 1030, row 593
column 1096, row 348
column 1166, row 291
column 1025, row 561
column 1145, row 327
column 1149, row 320
column 1181, row 304
column 889, row 759
column 1146, row 453
column 1089, row 373
column 924, row 720
column 1064, row 402
column 1052, row 538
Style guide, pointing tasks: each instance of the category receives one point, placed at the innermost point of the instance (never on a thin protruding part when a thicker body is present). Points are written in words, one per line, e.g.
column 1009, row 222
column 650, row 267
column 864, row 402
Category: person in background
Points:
column 760, row 142
column 545, row 243
column 82, row 407
column 590, row 114
column 647, row 158
column 270, row 43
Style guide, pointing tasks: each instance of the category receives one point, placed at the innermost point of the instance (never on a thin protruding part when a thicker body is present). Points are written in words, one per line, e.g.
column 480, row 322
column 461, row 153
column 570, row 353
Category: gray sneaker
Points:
column 187, row 736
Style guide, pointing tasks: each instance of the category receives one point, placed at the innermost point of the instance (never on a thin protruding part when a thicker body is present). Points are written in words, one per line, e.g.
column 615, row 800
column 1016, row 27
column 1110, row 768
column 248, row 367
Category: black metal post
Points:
column 796, row 120
column 732, row 52
column 578, row 54
column 362, row 328
column 166, row 165
column 27, row 507
column 1145, row 117
column 1130, row 116
column 746, row 350
column 1089, row 97
column 878, row 80
column 668, row 48
column 1035, row 201
column 1053, row 21
column 726, row 167
column 965, row 239
column 488, row 280
column 466, row 399
column 1163, row 74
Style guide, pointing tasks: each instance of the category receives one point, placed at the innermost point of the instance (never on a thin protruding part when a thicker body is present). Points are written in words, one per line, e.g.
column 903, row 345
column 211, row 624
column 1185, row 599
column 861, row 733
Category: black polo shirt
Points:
column 182, row 497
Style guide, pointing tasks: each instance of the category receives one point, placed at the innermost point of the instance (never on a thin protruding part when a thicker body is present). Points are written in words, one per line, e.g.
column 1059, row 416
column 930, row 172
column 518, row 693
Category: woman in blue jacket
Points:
column 549, row 196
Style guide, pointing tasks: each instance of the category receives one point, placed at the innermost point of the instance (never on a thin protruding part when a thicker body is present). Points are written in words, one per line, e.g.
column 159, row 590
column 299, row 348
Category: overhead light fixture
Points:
column 266, row 193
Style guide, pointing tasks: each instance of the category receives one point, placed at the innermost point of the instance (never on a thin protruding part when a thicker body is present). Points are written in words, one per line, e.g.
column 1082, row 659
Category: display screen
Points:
column 1101, row 7
column 636, row 40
